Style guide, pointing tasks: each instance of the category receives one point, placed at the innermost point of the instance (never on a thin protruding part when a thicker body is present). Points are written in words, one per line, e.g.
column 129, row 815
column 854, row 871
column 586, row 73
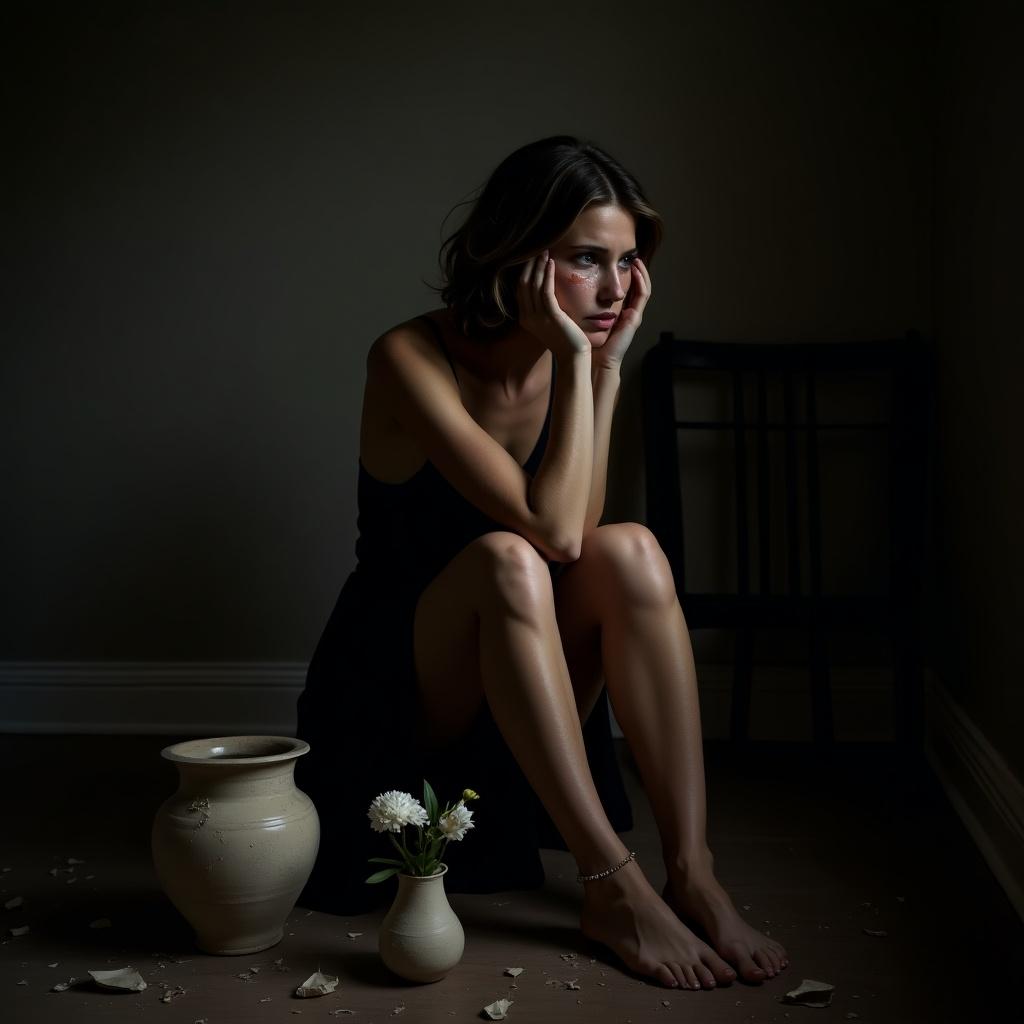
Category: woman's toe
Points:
column 678, row 974
column 691, row 977
column 763, row 961
column 706, row 978
column 749, row 971
column 722, row 972
column 665, row 974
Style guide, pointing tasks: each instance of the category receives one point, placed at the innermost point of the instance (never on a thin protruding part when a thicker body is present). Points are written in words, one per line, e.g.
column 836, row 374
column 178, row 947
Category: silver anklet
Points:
column 607, row 871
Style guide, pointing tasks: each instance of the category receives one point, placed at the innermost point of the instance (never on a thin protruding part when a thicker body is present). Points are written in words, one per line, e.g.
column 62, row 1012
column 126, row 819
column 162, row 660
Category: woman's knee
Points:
column 512, row 571
column 633, row 560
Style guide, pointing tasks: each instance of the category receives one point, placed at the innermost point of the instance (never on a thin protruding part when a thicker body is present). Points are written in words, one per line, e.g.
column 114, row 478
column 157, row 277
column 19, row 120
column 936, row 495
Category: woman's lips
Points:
column 603, row 320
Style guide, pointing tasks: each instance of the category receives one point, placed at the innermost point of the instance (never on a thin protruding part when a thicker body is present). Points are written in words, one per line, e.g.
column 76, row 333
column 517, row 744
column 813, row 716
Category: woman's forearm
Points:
column 560, row 492
column 606, row 381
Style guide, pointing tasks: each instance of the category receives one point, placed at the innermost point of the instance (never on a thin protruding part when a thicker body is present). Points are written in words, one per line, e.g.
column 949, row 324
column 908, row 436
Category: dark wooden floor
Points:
column 817, row 850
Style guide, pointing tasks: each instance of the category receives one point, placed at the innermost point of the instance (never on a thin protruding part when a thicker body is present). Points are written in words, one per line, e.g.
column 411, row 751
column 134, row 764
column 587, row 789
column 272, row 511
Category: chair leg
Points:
column 821, row 688
column 742, row 680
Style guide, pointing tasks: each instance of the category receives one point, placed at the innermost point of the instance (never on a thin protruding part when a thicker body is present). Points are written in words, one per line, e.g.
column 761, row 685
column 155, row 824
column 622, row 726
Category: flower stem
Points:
column 400, row 847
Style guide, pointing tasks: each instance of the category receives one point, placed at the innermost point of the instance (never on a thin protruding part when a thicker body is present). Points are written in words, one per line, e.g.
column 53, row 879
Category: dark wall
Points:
column 977, row 593
column 217, row 208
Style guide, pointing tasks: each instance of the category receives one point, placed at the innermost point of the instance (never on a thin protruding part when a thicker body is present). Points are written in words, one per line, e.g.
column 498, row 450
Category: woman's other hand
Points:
column 612, row 352
column 540, row 314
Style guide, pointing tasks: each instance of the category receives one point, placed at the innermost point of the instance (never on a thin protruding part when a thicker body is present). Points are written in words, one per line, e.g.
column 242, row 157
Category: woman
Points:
column 489, row 613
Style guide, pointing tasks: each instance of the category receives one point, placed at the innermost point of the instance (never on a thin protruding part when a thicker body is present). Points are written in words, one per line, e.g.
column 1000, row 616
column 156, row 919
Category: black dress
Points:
column 358, row 709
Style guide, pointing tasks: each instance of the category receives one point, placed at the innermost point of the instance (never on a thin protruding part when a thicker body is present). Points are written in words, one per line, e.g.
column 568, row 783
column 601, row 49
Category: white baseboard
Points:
column 225, row 698
column 150, row 698
column 980, row 785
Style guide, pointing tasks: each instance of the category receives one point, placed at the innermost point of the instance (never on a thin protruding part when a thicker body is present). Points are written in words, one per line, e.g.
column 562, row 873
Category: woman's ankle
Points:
column 693, row 865
column 629, row 880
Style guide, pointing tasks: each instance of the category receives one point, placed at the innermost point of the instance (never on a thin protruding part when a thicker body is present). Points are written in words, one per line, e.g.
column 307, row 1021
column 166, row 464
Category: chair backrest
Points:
column 781, row 403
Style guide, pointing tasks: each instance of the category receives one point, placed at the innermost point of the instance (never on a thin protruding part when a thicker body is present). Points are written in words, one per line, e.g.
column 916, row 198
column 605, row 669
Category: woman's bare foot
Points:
column 699, row 898
column 624, row 913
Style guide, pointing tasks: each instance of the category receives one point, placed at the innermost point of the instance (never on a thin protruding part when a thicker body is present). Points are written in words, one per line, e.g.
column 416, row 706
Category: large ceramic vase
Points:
column 234, row 846
column 420, row 938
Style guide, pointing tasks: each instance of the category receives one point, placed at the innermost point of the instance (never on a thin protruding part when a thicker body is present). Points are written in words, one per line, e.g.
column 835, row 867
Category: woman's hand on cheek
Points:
column 540, row 313
column 612, row 352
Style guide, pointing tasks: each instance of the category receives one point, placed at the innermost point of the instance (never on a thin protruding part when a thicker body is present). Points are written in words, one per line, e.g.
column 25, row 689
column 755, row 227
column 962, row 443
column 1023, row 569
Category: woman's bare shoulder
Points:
column 402, row 353
column 413, row 333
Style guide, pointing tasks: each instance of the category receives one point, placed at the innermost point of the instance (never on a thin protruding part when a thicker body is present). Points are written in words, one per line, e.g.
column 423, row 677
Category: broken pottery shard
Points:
column 16, row 902
column 316, row 985
column 56, row 963
column 23, row 930
column 63, row 986
column 498, row 1009
column 811, row 993
column 354, row 935
column 513, row 972
column 172, row 993
column 878, row 933
column 127, row 979
column 23, row 982
column 101, row 922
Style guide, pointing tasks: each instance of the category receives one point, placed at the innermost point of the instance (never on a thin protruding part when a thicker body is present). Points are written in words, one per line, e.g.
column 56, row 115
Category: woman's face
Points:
column 592, row 268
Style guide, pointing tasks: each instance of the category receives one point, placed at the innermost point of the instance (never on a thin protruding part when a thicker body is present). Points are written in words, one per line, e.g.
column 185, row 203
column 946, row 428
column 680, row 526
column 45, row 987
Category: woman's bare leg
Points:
column 493, row 607
column 621, row 590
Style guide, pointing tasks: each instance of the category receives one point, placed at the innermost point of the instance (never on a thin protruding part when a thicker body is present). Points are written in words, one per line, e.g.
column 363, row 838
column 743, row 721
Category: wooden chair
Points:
column 766, row 447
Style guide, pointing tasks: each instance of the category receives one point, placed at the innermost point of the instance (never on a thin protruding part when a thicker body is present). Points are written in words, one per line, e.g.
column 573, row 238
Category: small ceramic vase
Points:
column 420, row 937
column 234, row 846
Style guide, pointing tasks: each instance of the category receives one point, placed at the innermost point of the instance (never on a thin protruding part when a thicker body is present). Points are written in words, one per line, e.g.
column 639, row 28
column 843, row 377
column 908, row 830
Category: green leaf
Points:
column 430, row 802
column 386, row 860
column 381, row 875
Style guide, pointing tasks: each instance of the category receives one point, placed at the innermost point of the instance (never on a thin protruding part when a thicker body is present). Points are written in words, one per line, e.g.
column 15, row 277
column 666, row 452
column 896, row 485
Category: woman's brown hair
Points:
column 528, row 203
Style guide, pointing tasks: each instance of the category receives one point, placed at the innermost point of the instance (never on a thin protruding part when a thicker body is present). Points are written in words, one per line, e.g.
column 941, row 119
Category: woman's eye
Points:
column 588, row 259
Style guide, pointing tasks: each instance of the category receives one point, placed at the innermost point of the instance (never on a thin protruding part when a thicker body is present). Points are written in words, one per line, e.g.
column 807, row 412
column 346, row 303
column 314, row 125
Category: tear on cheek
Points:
column 581, row 281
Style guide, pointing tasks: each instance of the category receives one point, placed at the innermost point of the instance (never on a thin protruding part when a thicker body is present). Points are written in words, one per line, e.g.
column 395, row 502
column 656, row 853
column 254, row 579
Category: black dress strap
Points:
column 440, row 341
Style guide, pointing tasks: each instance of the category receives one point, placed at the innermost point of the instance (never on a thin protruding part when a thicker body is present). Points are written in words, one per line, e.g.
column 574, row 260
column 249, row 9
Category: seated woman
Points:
column 490, row 615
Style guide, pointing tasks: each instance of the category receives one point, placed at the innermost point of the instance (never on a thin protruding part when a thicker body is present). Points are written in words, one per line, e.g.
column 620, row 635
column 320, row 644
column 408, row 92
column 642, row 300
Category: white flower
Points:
column 457, row 822
column 392, row 810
